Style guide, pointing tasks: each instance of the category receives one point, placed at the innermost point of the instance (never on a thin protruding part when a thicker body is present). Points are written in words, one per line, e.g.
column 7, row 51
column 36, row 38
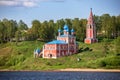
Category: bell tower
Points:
column 90, row 30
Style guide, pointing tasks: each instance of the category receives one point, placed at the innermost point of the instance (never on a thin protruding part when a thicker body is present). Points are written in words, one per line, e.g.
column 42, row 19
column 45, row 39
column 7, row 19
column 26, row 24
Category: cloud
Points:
column 8, row 3
column 29, row 4
column 55, row 0
column 25, row 3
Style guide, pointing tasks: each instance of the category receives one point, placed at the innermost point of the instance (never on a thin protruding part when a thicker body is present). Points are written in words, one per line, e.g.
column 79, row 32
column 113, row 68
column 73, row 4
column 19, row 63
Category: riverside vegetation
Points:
column 18, row 41
column 105, row 54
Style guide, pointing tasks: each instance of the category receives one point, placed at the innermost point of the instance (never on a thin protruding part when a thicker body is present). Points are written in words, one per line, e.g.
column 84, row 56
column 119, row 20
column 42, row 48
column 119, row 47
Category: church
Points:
column 90, row 30
column 64, row 45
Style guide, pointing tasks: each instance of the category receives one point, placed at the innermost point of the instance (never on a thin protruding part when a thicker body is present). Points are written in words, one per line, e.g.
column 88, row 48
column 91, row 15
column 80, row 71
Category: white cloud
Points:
column 8, row 3
column 29, row 4
column 24, row 3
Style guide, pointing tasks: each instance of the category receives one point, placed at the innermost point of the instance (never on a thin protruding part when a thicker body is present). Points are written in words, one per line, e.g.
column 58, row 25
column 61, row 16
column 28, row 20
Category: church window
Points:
column 90, row 26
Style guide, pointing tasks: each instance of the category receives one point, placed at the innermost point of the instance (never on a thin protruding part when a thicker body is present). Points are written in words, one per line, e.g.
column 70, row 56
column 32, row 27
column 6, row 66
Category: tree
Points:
column 76, row 26
column 106, row 25
column 105, row 46
column 17, row 36
column 79, row 26
column 51, row 30
column 44, row 31
column 69, row 23
column 1, row 32
column 98, row 25
column 117, row 33
column 117, row 45
column 22, row 25
column 59, row 25
column 36, row 28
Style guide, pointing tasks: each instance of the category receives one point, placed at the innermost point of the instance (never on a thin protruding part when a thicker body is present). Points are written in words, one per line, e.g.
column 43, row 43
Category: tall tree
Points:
column 36, row 26
column 118, row 26
column 22, row 25
column 106, row 25
column 51, row 31
column 68, row 22
column 1, row 32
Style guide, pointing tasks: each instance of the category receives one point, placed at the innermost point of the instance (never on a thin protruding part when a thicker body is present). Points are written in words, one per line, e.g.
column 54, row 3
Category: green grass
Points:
column 20, row 57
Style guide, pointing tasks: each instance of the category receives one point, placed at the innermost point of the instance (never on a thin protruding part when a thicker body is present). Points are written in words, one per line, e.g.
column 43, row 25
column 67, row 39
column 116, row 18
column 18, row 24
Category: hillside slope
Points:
column 20, row 57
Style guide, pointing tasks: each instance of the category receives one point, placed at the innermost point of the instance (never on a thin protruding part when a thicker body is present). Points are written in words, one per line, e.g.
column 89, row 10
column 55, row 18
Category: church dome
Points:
column 67, row 30
column 66, row 27
column 59, row 30
column 72, row 30
column 38, row 50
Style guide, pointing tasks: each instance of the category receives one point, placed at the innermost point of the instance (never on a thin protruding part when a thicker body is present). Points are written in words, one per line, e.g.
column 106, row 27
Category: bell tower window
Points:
column 90, row 26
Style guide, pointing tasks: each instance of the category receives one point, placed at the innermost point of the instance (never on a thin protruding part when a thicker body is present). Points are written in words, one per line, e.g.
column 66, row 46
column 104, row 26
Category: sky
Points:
column 29, row 10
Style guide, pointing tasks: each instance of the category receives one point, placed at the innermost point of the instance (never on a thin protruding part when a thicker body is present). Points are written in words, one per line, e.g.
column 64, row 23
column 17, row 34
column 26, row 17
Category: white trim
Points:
column 43, row 51
column 51, row 57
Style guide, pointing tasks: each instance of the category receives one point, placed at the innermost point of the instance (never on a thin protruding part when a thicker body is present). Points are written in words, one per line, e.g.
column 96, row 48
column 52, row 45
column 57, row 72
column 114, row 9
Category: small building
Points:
column 37, row 53
column 91, row 30
column 64, row 45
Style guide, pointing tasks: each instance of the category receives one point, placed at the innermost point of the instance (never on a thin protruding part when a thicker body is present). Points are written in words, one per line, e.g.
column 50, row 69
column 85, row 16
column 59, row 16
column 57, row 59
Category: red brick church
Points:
column 64, row 45
column 90, row 30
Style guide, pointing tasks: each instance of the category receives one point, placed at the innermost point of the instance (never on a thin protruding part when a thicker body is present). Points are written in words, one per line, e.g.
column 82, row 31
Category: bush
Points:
column 2, row 61
column 15, row 60
column 102, row 63
column 48, row 63
column 110, row 61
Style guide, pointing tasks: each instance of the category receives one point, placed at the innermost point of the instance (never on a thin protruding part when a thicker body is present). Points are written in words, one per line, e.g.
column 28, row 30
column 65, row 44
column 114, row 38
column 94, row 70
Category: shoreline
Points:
column 90, row 70
column 69, row 70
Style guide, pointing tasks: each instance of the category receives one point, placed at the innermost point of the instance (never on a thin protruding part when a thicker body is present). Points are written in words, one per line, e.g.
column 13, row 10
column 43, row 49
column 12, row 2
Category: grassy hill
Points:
column 20, row 57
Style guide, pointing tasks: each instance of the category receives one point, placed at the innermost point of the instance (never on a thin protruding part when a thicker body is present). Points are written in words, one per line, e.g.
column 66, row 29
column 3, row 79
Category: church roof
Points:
column 37, row 50
column 66, row 27
column 57, row 42
column 66, row 35
column 59, row 30
column 90, row 19
column 72, row 30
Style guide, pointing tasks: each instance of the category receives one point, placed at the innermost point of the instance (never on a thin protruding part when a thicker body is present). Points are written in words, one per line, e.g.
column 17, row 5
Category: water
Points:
column 39, row 75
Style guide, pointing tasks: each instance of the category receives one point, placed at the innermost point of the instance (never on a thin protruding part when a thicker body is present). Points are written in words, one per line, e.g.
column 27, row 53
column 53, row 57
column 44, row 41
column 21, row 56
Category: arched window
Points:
column 90, row 26
column 50, row 55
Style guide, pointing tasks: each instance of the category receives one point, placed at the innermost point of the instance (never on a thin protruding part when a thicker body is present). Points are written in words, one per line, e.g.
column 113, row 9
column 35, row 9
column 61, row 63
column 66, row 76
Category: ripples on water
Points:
column 36, row 75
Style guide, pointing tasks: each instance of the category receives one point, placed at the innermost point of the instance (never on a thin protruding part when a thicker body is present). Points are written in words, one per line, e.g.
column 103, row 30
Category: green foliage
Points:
column 107, row 27
column 22, row 25
column 117, row 45
column 110, row 62
column 14, row 60
column 21, row 57
column 96, row 55
column 102, row 64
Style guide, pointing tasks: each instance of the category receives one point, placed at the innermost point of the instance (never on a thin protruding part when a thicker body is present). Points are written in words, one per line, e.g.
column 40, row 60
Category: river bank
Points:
column 91, row 70
column 71, row 69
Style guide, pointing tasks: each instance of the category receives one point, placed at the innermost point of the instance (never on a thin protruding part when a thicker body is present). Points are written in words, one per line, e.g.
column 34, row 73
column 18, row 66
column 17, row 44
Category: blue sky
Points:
column 29, row 10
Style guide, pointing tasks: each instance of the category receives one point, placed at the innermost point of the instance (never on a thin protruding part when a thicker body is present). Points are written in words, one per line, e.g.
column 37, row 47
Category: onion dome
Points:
column 72, row 30
column 66, row 27
column 38, row 50
column 59, row 30
column 67, row 30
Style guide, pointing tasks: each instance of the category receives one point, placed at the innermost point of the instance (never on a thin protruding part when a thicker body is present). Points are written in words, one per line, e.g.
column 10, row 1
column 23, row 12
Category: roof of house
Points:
column 57, row 42
column 66, row 35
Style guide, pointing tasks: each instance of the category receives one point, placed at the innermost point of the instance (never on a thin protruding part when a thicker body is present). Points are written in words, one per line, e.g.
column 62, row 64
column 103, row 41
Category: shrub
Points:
column 102, row 63
column 48, row 63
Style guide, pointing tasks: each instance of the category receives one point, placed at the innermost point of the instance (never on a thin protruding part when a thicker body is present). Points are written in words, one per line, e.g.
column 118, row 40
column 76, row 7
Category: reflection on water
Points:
column 36, row 75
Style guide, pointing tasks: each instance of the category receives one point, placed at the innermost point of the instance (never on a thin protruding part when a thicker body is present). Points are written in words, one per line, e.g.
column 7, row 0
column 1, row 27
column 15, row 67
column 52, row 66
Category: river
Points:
column 58, row 75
